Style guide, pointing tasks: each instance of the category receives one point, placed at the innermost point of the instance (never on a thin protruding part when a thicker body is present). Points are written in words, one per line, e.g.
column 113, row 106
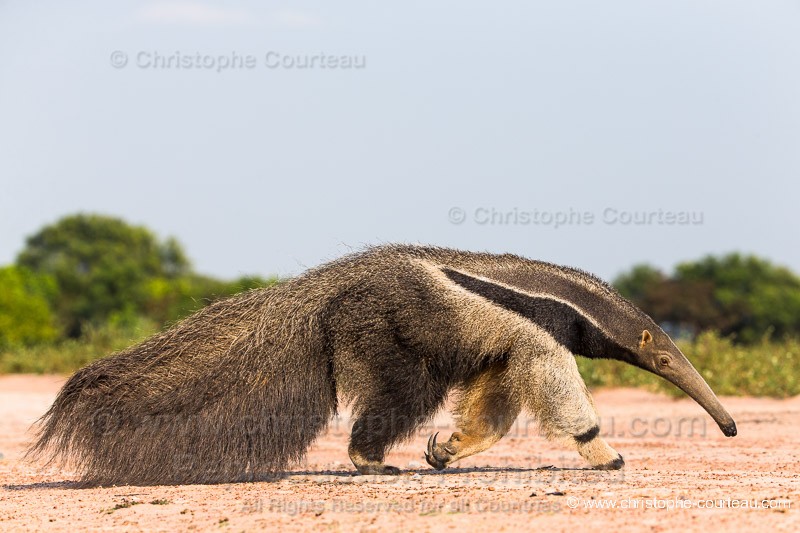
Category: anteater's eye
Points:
column 664, row 360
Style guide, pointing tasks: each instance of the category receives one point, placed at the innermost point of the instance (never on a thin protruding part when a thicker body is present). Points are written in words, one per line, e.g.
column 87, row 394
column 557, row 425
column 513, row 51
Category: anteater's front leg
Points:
column 553, row 390
column 484, row 413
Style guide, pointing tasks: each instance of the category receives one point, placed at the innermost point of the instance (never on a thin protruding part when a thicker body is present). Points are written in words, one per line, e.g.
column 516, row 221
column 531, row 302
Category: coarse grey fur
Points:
column 240, row 389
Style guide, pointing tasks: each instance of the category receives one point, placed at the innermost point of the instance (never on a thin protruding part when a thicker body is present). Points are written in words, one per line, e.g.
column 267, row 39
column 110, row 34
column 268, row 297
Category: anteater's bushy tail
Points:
column 235, row 392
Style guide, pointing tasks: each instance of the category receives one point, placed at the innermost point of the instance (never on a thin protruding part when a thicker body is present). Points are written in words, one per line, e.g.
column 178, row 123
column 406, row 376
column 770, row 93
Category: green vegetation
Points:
column 124, row 504
column 89, row 285
column 103, row 267
column 25, row 315
column 68, row 355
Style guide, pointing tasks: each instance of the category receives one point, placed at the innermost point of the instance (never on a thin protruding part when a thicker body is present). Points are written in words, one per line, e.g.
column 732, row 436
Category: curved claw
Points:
column 432, row 442
column 431, row 445
column 437, row 455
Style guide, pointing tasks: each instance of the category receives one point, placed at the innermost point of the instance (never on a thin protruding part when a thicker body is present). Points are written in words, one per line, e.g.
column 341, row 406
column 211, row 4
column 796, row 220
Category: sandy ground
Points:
column 681, row 472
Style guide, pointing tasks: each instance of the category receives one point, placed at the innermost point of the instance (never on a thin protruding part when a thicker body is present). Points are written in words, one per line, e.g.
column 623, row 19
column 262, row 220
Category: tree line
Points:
column 741, row 297
column 87, row 271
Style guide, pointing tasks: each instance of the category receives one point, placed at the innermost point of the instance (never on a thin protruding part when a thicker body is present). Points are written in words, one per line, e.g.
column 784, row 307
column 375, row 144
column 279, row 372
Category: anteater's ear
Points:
column 645, row 339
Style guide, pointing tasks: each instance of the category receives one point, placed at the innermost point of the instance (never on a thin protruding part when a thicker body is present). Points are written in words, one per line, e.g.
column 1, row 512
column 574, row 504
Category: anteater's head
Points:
column 657, row 353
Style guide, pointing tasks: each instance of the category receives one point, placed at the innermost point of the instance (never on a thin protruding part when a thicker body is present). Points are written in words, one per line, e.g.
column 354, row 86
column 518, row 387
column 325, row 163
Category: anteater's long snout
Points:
column 681, row 373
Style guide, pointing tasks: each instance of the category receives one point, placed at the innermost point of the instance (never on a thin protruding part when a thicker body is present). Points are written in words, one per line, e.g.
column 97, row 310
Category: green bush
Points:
column 69, row 355
column 168, row 300
column 102, row 266
column 25, row 315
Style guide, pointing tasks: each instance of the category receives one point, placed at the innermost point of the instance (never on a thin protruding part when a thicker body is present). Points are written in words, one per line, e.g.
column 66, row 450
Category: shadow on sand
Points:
column 424, row 471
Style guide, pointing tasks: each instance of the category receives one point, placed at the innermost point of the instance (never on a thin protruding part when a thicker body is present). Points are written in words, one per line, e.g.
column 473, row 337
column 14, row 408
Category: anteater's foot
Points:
column 373, row 466
column 439, row 455
column 599, row 454
column 616, row 464
column 378, row 470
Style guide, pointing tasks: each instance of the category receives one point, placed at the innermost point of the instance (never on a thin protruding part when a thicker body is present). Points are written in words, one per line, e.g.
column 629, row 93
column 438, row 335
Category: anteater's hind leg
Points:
column 385, row 418
column 554, row 391
column 485, row 412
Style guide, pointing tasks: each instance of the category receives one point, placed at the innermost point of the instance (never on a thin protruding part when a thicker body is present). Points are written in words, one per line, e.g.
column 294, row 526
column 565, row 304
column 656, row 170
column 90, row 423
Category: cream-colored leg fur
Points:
column 545, row 375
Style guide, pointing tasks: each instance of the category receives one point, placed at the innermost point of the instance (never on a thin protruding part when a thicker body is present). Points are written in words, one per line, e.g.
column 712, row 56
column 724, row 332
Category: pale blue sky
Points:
column 635, row 106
